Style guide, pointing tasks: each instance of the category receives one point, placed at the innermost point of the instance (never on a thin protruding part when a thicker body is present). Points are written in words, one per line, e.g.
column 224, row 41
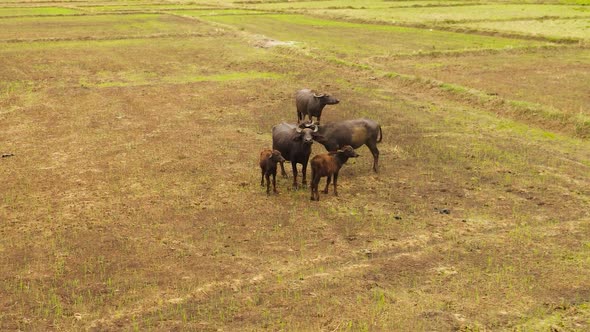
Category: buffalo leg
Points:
column 267, row 176
column 283, row 173
column 327, row 184
column 315, row 181
column 262, row 178
column 375, row 152
column 336, row 184
column 304, row 171
column 274, row 183
column 294, row 166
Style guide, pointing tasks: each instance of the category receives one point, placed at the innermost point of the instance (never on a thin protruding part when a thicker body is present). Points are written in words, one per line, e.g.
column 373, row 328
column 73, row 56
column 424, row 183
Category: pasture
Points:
column 131, row 198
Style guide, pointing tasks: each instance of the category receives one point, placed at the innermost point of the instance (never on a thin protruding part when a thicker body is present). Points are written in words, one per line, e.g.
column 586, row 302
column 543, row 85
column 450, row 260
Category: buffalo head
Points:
column 306, row 132
column 276, row 157
column 348, row 151
column 325, row 99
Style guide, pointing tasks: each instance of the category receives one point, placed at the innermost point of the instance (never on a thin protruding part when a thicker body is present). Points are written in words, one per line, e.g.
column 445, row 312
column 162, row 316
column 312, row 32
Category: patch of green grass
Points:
column 438, row 15
column 524, row 130
column 101, row 26
column 564, row 317
column 348, row 63
column 454, row 88
column 554, row 76
column 582, row 126
column 536, row 110
column 297, row 5
column 36, row 11
column 15, row 95
column 345, row 4
column 575, row 2
column 217, row 12
column 572, row 122
column 143, row 8
column 344, row 39
column 8, row 88
column 551, row 28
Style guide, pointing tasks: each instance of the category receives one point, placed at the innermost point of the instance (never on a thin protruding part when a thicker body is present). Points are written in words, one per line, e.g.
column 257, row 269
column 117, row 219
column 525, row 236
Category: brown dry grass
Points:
column 132, row 201
column 554, row 77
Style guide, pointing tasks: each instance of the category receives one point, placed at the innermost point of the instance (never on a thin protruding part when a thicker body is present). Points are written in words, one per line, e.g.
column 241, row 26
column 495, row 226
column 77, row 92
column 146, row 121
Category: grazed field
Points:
column 434, row 14
column 7, row 12
column 554, row 77
column 140, row 7
column 89, row 27
column 575, row 28
column 356, row 40
column 130, row 192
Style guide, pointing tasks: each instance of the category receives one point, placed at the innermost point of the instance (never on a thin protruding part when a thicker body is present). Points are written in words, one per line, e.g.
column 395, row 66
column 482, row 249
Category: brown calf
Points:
column 268, row 166
column 328, row 164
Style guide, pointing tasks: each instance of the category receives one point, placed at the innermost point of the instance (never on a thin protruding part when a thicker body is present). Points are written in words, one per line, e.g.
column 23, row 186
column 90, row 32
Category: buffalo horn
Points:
column 318, row 95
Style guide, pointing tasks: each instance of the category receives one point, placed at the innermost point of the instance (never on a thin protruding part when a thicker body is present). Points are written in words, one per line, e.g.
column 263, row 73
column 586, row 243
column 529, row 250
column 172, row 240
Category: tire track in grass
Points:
column 346, row 262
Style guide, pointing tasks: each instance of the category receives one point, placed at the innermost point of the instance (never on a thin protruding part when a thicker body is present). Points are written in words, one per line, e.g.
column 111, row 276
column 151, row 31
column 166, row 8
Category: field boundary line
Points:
column 535, row 18
column 90, row 38
column 89, row 2
column 432, row 5
column 577, row 125
column 441, row 27
column 83, row 14
column 27, row 4
column 484, row 51
column 514, row 35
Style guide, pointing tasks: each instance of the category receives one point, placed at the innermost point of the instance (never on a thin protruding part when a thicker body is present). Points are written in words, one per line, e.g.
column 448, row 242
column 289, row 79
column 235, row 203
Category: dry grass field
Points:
column 131, row 198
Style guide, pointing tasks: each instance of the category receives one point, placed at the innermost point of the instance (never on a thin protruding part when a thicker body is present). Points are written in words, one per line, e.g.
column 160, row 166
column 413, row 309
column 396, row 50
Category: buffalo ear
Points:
column 297, row 137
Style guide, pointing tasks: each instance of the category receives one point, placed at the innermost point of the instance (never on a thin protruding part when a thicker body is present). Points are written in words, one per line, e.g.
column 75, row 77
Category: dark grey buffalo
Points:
column 294, row 142
column 311, row 104
column 358, row 132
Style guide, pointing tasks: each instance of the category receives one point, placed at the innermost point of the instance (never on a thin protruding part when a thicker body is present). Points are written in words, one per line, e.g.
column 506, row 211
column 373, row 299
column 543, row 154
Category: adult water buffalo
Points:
column 294, row 142
column 358, row 132
column 311, row 104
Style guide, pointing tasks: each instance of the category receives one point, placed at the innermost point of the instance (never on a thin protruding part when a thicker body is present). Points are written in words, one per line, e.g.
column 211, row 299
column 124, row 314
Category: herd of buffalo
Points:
column 292, row 142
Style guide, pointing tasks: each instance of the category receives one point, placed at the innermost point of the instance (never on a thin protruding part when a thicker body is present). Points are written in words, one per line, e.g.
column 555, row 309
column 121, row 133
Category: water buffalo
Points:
column 311, row 104
column 294, row 142
column 328, row 164
column 358, row 132
column 268, row 167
